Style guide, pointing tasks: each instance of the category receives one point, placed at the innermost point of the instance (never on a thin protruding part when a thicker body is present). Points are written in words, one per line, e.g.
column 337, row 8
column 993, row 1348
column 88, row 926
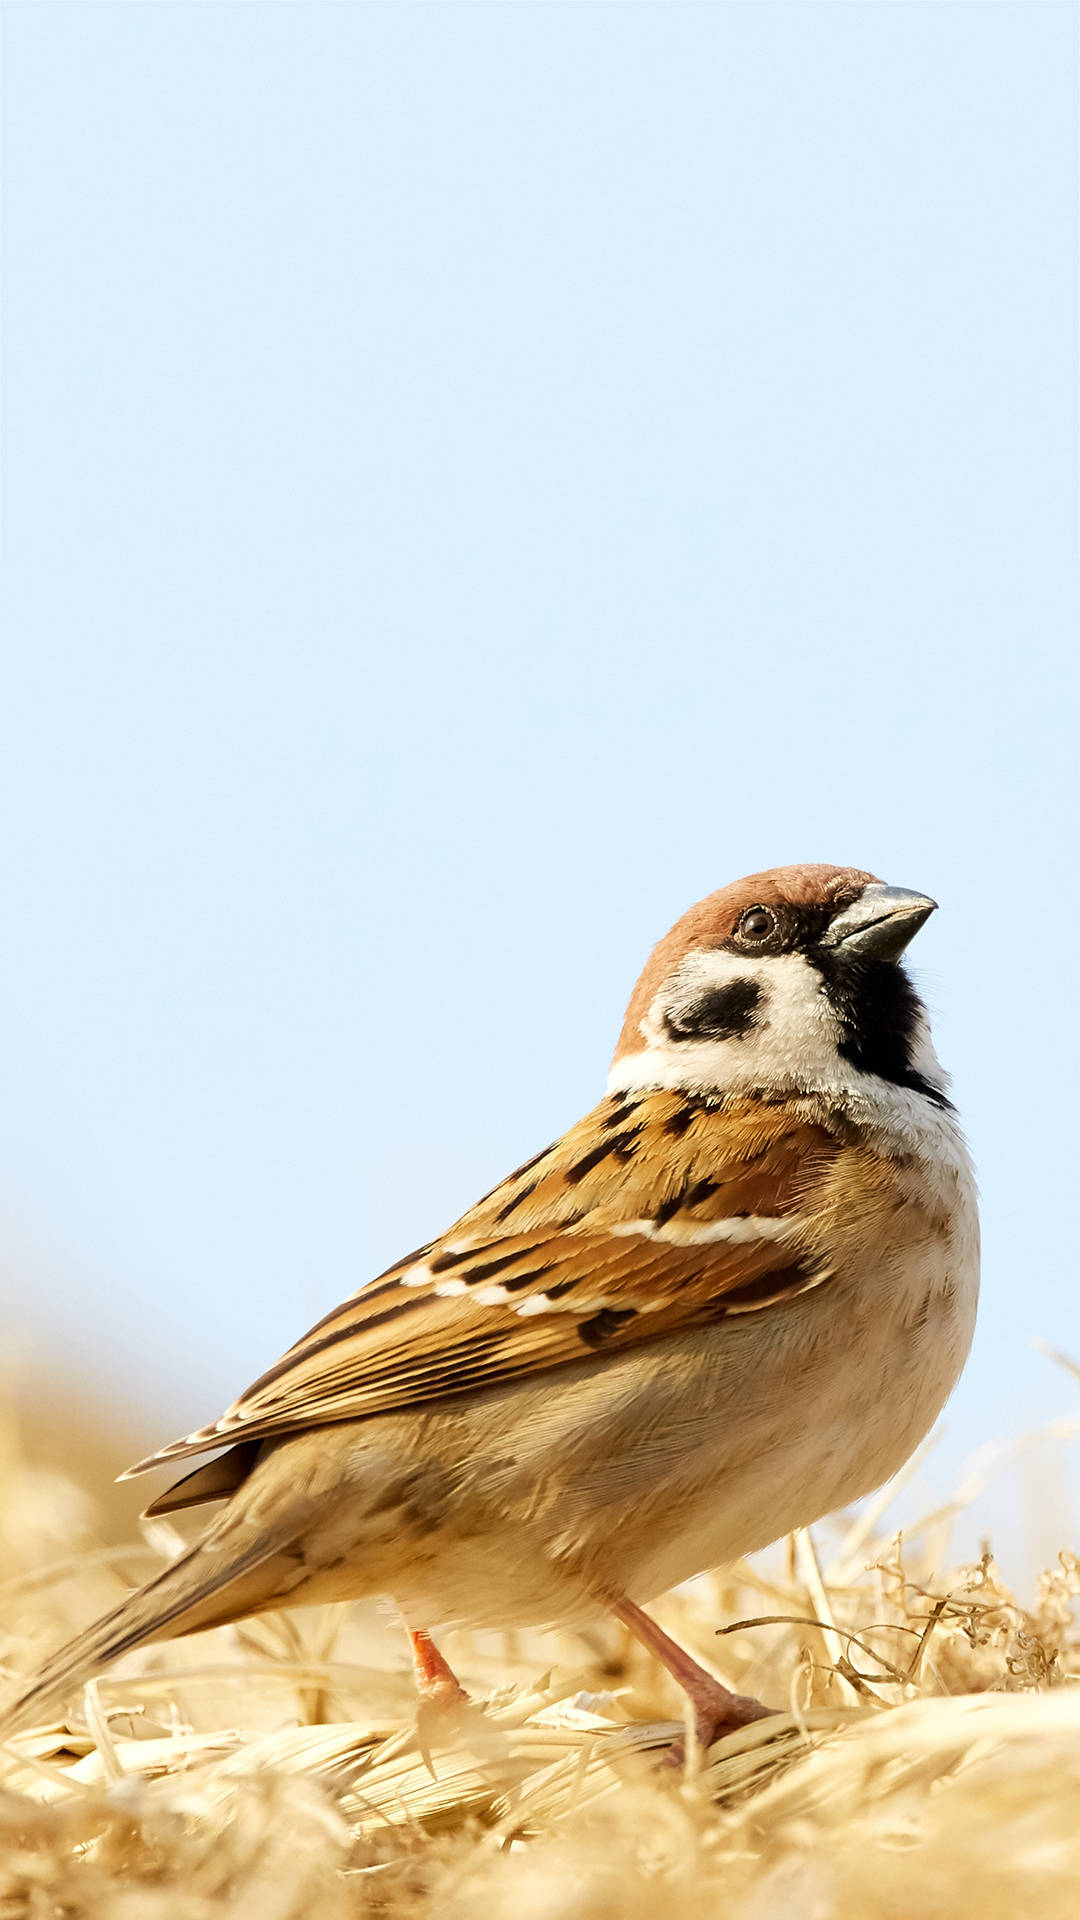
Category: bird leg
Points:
column 435, row 1679
column 714, row 1708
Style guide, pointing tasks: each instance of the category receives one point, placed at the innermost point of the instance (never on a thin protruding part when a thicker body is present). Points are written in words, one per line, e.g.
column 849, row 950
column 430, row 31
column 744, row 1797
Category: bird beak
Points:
column 881, row 922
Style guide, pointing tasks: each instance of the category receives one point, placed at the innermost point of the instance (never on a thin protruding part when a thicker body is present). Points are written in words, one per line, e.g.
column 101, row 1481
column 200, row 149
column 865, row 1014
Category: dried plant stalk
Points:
column 927, row 1759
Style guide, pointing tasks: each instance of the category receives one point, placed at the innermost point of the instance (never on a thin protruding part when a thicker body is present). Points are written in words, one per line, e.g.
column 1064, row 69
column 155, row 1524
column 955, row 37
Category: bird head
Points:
column 788, row 980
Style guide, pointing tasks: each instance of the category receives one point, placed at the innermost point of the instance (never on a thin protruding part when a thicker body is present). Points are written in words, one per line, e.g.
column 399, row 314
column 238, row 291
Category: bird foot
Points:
column 441, row 1693
column 436, row 1682
column 715, row 1711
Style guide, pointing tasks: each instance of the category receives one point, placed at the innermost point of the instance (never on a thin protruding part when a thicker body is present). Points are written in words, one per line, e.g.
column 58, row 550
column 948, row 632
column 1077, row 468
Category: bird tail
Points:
column 218, row 1579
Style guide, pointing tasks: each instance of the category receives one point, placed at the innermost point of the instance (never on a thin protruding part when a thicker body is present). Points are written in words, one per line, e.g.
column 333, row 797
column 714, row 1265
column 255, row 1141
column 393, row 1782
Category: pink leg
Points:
column 435, row 1680
column 716, row 1710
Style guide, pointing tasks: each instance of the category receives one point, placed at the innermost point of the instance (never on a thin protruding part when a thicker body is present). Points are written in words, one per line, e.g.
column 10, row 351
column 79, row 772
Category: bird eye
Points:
column 756, row 925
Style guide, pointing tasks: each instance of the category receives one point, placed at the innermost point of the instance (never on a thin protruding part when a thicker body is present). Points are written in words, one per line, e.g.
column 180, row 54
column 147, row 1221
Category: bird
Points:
column 729, row 1300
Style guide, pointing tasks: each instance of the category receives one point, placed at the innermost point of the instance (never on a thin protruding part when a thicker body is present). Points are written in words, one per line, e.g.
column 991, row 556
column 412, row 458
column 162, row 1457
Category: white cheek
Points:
column 793, row 1040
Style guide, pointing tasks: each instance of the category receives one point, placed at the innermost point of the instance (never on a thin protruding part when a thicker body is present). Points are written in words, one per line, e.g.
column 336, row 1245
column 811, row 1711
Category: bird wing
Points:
column 657, row 1212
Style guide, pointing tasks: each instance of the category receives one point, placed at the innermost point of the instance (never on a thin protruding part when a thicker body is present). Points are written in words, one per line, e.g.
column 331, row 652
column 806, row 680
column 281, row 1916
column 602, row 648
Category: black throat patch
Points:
column 879, row 1013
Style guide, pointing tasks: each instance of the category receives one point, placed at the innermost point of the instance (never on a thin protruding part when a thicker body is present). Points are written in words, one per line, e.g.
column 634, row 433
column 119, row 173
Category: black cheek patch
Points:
column 722, row 1013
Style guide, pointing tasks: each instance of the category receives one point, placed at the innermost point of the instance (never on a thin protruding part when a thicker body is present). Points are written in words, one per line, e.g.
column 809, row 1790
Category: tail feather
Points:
column 207, row 1586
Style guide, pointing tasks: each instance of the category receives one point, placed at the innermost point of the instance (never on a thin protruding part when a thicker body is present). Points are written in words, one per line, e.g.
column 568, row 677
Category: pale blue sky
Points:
column 477, row 478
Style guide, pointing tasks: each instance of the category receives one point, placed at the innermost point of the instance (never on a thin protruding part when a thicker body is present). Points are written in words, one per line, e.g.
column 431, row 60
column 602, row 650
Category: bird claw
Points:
column 716, row 1712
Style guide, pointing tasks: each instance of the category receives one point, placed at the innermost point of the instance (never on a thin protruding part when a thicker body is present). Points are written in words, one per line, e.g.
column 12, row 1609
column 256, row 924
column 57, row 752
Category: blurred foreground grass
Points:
column 925, row 1761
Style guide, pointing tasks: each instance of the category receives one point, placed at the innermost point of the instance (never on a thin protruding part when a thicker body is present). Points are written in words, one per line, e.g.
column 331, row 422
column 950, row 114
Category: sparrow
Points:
column 729, row 1300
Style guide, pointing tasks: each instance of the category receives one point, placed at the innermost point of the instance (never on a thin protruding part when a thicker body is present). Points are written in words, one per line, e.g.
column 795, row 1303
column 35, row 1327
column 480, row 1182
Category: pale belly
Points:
column 535, row 1505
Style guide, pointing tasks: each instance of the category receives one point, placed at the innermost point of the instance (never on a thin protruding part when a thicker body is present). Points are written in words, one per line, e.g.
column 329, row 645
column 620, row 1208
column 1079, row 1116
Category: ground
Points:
column 926, row 1758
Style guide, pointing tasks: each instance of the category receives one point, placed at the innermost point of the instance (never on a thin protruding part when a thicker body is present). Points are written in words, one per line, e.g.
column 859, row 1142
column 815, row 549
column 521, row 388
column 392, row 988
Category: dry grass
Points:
column 927, row 1762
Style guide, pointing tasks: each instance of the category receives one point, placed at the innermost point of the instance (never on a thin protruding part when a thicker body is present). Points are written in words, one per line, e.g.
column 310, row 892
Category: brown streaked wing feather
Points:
column 558, row 1240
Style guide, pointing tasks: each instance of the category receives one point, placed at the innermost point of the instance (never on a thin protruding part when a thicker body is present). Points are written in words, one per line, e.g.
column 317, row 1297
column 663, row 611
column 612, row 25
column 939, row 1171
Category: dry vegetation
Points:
column 927, row 1761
